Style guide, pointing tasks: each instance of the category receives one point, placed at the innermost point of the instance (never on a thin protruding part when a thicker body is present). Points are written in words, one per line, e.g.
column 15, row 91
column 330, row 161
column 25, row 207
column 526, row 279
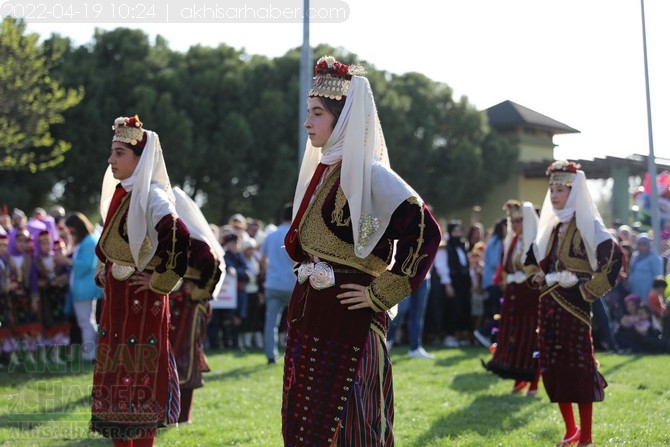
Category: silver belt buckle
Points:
column 304, row 271
column 320, row 275
column 564, row 278
column 122, row 272
column 517, row 277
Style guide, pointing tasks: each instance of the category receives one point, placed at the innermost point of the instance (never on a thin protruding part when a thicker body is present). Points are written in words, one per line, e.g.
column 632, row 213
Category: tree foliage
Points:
column 32, row 102
column 228, row 124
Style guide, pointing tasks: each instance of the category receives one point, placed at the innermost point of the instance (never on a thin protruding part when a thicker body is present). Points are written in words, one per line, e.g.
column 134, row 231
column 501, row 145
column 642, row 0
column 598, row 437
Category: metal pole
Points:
column 305, row 81
column 651, row 159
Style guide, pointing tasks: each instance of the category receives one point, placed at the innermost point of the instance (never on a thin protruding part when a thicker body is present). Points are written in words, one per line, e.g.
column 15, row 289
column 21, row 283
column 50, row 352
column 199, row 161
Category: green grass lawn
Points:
column 450, row 401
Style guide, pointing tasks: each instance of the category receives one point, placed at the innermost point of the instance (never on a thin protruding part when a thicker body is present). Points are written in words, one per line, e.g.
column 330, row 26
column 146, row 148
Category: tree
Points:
column 117, row 70
column 443, row 148
column 228, row 124
column 31, row 103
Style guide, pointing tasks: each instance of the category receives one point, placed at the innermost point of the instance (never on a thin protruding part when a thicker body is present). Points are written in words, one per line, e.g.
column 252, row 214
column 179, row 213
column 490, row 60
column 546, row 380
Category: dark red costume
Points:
column 515, row 354
column 335, row 356
column 135, row 383
column 190, row 312
column 567, row 361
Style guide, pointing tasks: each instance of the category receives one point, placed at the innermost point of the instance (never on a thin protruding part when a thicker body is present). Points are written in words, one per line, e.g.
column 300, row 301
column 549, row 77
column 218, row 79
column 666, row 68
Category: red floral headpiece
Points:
column 563, row 166
column 129, row 130
column 332, row 78
column 562, row 172
column 328, row 65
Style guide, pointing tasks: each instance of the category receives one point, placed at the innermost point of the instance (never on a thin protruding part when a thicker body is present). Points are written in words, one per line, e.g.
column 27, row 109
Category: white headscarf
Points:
column 146, row 209
column 526, row 238
column 530, row 222
column 189, row 212
column 358, row 141
column 589, row 222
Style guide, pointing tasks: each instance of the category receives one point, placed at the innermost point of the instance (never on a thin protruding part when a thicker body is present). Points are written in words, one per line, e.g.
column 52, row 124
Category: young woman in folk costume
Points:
column 143, row 251
column 516, row 343
column 574, row 260
column 349, row 210
column 53, row 271
column 190, row 310
column 24, row 302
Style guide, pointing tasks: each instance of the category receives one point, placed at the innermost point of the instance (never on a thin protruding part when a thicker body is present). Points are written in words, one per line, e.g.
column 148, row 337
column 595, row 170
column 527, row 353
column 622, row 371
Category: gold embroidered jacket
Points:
column 169, row 262
column 567, row 252
column 326, row 232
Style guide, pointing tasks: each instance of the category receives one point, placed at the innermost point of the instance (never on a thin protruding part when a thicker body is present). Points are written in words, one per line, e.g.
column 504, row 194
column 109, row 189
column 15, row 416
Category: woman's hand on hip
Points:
column 141, row 280
column 354, row 298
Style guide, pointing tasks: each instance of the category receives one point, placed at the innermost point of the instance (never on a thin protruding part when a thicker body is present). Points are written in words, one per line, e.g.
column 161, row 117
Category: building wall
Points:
column 534, row 145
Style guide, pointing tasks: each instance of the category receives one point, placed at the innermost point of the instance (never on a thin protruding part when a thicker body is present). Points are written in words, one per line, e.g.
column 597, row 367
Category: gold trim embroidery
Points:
column 318, row 239
column 584, row 317
column 163, row 283
column 600, row 283
column 410, row 265
column 338, row 212
column 388, row 289
column 171, row 262
column 112, row 242
column 572, row 238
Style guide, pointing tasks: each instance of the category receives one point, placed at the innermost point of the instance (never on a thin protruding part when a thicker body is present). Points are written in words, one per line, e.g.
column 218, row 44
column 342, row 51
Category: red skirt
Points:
column 515, row 356
column 328, row 388
column 567, row 360
column 135, row 382
column 188, row 331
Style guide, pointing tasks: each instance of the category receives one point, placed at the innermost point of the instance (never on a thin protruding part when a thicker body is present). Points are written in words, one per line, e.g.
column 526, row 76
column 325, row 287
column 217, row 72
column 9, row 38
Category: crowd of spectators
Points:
column 48, row 298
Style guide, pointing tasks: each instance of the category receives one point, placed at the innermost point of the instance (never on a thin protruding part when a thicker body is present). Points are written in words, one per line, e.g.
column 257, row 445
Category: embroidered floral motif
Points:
column 338, row 212
column 367, row 227
column 156, row 309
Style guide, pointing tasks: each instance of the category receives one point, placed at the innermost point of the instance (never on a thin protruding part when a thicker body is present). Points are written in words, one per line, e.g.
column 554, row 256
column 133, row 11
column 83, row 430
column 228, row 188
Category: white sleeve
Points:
column 159, row 205
column 442, row 266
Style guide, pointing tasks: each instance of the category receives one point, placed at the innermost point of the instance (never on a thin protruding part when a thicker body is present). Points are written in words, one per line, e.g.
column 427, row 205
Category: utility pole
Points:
column 305, row 78
column 651, row 159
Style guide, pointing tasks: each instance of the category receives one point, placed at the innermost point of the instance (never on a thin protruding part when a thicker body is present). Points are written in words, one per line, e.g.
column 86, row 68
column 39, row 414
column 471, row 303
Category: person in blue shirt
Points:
column 645, row 265
column 277, row 268
column 84, row 293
